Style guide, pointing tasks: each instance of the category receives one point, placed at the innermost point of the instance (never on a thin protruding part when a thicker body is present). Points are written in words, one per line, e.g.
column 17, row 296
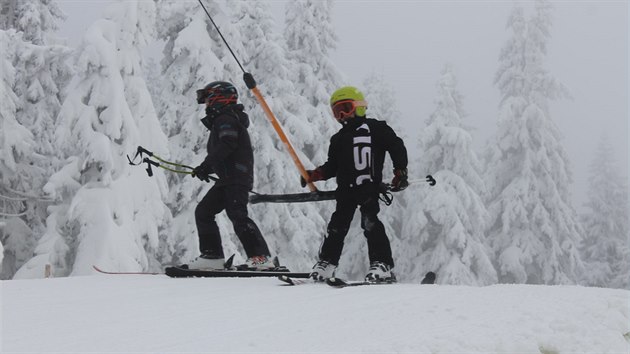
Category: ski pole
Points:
column 429, row 179
column 140, row 151
column 251, row 84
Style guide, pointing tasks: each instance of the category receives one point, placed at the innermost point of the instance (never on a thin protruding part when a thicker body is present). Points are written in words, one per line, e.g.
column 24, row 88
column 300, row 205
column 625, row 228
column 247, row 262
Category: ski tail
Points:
column 96, row 268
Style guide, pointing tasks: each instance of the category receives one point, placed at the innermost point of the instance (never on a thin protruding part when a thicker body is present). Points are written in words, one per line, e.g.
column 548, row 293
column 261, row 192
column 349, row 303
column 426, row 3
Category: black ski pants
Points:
column 366, row 198
column 234, row 199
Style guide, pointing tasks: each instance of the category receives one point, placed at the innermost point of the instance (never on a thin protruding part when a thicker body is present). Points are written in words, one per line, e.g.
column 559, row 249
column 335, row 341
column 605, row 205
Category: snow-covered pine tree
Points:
column 534, row 230
column 17, row 142
column 293, row 231
column 606, row 230
column 109, row 213
column 310, row 38
column 37, row 19
column 445, row 224
column 41, row 75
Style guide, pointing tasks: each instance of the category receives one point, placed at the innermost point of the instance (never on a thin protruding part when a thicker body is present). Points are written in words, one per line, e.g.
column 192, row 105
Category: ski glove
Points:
column 202, row 173
column 313, row 175
column 400, row 180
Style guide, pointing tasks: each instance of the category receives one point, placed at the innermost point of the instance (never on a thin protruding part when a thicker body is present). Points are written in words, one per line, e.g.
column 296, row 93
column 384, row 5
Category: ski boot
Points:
column 259, row 263
column 380, row 272
column 205, row 262
column 322, row 270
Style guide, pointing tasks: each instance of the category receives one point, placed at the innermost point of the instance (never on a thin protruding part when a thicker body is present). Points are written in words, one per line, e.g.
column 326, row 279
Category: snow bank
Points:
column 152, row 314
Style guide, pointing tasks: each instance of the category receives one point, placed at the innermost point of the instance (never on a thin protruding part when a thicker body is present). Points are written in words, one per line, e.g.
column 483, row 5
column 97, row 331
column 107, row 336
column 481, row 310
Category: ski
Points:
column 429, row 278
column 128, row 273
column 340, row 283
column 289, row 280
column 176, row 272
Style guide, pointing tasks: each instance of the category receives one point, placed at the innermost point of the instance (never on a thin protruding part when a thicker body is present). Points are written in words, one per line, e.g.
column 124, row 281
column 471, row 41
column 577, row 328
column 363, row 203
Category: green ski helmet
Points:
column 347, row 101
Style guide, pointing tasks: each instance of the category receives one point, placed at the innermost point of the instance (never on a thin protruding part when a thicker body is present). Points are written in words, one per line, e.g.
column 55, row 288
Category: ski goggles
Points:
column 202, row 94
column 213, row 97
column 345, row 108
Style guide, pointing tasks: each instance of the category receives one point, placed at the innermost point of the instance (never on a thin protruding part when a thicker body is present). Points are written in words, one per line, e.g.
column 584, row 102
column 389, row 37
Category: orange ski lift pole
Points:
column 251, row 84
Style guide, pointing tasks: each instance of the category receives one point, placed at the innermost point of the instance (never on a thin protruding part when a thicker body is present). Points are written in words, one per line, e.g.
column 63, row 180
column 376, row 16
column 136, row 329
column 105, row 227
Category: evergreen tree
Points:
column 534, row 230
column 16, row 143
column 444, row 230
column 605, row 245
column 41, row 73
column 37, row 19
column 310, row 38
column 109, row 213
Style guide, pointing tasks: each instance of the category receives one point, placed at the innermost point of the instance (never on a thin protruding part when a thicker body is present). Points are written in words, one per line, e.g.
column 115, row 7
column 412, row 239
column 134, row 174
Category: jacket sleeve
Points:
column 396, row 147
column 329, row 169
column 227, row 131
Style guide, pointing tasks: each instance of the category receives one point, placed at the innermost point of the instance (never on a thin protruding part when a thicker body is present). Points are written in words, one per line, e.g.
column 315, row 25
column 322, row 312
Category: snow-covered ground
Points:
column 156, row 314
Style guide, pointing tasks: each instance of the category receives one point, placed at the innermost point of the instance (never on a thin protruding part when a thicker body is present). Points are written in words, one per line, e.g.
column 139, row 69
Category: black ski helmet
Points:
column 217, row 94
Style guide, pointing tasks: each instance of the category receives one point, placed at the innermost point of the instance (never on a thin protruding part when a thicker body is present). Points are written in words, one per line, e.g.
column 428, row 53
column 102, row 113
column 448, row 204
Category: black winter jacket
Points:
column 230, row 153
column 357, row 152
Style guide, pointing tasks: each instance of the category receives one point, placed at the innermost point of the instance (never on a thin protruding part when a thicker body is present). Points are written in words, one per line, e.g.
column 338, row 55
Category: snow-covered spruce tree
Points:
column 310, row 38
column 189, row 63
column 109, row 213
column 16, row 142
column 445, row 224
column 606, row 231
column 37, row 19
column 534, row 230
column 293, row 231
column 41, row 74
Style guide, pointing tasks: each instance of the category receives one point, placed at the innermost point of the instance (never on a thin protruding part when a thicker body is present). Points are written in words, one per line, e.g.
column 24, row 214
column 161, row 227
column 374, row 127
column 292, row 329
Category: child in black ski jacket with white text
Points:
column 355, row 156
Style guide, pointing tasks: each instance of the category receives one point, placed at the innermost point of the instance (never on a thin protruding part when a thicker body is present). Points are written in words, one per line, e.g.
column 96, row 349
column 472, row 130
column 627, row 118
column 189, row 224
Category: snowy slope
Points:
column 156, row 314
